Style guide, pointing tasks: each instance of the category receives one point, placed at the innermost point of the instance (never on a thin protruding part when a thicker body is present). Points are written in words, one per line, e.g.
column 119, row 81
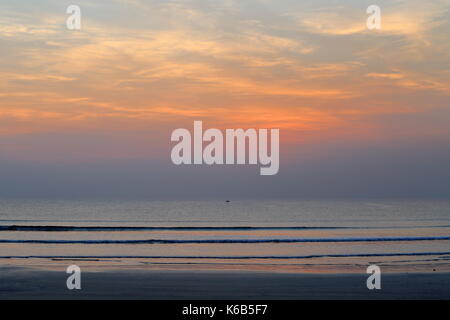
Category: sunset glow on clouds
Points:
column 138, row 69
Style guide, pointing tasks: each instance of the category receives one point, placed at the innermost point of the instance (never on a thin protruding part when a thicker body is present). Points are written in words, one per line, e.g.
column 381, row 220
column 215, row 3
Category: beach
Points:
column 26, row 283
column 225, row 150
column 217, row 250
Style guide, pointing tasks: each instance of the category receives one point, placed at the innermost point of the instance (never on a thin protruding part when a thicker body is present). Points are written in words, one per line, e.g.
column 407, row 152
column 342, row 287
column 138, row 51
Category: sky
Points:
column 89, row 113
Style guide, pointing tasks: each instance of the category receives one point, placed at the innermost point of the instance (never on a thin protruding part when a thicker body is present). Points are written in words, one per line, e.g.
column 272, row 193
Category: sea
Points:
column 310, row 236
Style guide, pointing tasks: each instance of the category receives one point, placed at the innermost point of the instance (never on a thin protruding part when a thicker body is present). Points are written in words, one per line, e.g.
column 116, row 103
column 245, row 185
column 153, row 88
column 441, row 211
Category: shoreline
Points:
column 25, row 283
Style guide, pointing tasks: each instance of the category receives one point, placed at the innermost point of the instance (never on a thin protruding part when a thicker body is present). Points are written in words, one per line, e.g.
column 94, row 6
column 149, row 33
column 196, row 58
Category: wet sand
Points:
column 24, row 283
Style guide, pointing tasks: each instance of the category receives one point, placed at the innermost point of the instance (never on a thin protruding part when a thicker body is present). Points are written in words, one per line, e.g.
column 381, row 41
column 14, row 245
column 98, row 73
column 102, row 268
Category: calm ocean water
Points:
column 315, row 236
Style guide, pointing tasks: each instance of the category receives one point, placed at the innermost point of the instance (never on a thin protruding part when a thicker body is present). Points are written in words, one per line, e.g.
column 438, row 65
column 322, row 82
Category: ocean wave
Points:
column 224, row 241
column 351, row 255
column 55, row 228
column 131, row 228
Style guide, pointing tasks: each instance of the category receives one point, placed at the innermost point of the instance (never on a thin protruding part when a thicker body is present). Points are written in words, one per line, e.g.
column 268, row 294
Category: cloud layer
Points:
column 138, row 69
